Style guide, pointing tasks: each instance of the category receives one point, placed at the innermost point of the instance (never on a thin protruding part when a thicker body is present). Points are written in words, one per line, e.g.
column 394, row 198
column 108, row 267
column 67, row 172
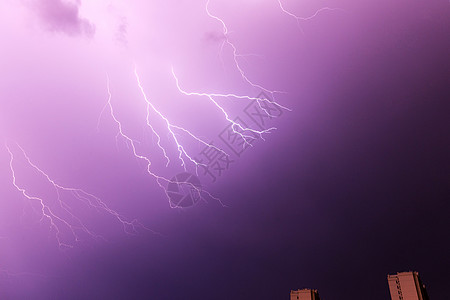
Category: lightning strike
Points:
column 128, row 139
column 146, row 159
column 59, row 216
column 96, row 203
column 298, row 18
column 180, row 148
column 46, row 211
column 171, row 126
column 237, row 127
column 236, row 55
column 92, row 201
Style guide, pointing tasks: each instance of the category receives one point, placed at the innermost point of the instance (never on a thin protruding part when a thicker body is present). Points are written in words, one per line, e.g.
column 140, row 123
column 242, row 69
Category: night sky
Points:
column 353, row 184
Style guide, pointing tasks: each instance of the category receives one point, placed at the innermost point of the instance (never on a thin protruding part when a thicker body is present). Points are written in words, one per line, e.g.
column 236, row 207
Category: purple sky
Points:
column 351, row 186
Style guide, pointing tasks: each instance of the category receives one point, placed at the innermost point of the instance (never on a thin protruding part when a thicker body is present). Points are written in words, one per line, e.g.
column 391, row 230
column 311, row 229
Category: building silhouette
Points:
column 305, row 294
column 406, row 286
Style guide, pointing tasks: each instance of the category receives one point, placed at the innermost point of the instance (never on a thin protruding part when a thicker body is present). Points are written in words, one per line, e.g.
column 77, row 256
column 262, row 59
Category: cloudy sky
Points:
column 335, row 179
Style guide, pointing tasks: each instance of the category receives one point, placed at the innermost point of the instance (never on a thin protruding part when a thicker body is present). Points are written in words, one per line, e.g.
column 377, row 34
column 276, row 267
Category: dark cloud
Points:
column 63, row 16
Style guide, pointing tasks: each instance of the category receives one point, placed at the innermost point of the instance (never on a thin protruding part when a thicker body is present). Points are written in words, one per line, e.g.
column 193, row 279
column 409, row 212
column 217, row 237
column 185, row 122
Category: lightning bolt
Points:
column 59, row 215
column 74, row 223
column 170, row 127
column 129, row 141
column 47, row 212
column 298, row 18
column 236, row 127
column 236, row 54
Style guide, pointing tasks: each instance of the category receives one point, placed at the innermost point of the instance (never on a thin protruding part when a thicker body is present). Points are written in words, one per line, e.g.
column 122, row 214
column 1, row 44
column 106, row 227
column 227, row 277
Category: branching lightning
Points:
column 45, row 209
column 236, row 55
column 67, row 226
column 170, row 127
column 129, row 140
column 237, row 127
column 73, row 223
column 298, row 18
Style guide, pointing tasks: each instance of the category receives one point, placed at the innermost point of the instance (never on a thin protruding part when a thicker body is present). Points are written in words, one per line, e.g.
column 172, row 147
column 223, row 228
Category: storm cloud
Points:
column 63, row 16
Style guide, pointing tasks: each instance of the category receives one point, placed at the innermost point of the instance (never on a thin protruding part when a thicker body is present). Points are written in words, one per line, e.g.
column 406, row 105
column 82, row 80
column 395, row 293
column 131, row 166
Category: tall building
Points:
column 305, row 294
column 406, row 286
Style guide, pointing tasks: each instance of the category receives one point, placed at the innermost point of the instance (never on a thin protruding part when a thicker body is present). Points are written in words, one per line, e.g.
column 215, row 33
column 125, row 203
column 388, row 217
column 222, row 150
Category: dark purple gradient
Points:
column 353, row 184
